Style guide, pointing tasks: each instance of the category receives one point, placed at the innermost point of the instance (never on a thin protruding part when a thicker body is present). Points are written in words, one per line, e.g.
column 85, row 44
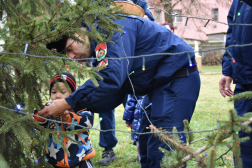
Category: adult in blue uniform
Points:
column 108, row 139
column 241, row 71
column 172, row 85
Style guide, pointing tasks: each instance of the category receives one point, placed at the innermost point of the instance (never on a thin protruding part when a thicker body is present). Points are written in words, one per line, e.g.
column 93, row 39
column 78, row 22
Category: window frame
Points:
column 215, row 11
column 175, row 18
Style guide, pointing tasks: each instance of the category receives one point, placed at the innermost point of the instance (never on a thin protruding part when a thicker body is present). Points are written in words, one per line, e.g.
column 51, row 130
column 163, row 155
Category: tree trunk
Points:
column 168, row 8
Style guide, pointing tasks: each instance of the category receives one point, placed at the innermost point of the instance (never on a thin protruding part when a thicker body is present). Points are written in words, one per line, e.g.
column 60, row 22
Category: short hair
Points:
column 60, row 45
column 169, row 24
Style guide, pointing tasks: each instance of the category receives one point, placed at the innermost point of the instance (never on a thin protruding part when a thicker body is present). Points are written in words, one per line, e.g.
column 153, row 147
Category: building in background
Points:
column 194, row 33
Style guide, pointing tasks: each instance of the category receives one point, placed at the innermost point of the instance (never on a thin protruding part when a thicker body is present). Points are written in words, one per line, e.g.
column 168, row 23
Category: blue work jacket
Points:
column 241, row 69
column 140, row 37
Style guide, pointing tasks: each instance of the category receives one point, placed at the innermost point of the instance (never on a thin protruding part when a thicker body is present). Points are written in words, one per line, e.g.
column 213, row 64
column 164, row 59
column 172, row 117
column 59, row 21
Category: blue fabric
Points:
column 124, row 101
column 133, row 113
column 249, row 2
column 241, row 70
column 130, row 107
column 226, row 61
column 175, row 101
column 142, row 37
column 143, row 139
column 242, row 107
column 172, row 108
column 108, row 139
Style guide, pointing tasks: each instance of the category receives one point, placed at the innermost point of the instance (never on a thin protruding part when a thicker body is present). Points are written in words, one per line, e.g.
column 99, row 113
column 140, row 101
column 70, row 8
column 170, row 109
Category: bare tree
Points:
column 189, row 7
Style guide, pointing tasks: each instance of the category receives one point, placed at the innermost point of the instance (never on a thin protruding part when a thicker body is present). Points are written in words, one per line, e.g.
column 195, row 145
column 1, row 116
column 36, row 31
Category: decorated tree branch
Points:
column 182, row 153
column 28, row 26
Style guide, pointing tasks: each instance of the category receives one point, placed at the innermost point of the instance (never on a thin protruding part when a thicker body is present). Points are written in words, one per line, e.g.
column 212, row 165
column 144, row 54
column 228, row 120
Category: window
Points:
column 215, row 14
column 177, row 19
column 157, row 16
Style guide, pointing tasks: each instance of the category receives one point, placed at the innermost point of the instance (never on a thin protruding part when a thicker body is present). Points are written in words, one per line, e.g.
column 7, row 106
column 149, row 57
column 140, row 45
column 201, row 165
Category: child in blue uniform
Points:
column 80, row 155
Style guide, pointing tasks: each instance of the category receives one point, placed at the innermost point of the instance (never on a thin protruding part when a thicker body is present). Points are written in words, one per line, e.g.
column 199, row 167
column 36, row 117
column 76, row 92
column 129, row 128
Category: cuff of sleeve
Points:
column 37, row 119
column 226, row 74
column 128, row 121
column 70, row 101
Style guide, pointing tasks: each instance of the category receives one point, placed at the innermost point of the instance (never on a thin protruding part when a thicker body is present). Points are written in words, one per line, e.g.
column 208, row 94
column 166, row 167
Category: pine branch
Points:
column 199, row 151
column 59, row 32
column 179, row 146
column 211, row 162
column 205, row 147
column 204, row 138
column 248, row 122
column 187, row 128
column 243, row 95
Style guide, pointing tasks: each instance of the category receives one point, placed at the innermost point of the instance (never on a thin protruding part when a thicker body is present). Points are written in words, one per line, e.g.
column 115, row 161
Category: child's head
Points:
column 58, row 81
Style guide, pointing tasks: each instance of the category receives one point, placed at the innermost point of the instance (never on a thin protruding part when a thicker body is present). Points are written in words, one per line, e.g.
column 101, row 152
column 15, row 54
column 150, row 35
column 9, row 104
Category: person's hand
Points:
column 224, row 86
column 128, row 125
column 56, row 108
column 65, row 116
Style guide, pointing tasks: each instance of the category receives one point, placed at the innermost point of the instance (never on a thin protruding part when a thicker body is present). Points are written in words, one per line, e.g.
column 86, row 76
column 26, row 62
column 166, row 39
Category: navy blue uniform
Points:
column 143, row 139
column 241, row 71
column 173, row 98
column 108, row 139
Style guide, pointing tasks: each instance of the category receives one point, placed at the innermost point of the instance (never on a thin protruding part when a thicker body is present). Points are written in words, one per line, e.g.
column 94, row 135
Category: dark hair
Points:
column 169, row 24
column 60, row 45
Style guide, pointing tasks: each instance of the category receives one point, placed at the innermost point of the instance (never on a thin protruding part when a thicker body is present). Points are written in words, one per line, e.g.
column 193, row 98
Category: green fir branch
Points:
column 211, row 159
column 240, row 96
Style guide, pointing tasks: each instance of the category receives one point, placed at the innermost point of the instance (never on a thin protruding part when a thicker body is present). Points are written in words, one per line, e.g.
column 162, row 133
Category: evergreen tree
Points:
column 183, row 152
column 24, row 80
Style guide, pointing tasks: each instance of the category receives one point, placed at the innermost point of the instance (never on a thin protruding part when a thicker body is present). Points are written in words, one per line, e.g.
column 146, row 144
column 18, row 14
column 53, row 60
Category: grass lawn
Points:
column 210, row 104
column 211, row 69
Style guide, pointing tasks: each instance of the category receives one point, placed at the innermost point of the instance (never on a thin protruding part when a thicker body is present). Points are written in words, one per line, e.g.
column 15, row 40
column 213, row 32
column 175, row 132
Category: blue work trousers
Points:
column 242, row 107
column 108, row 139
column 171, row 104
column 143, row 139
